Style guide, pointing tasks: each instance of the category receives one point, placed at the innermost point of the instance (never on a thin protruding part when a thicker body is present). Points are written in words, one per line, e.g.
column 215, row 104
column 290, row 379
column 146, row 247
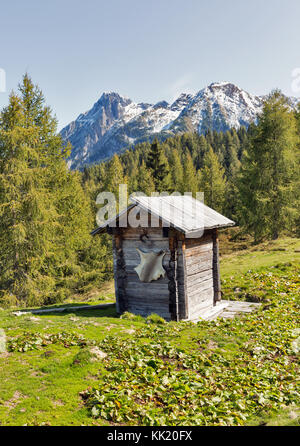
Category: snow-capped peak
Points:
column 220, row 84
column 116, row 122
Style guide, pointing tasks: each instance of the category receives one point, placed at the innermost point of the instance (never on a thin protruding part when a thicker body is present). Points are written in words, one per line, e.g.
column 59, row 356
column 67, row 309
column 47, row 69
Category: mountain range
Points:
column 115, row 122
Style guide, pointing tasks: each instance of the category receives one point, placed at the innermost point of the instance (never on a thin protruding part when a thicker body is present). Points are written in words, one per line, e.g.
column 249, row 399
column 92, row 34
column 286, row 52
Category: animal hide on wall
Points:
column 151, row 267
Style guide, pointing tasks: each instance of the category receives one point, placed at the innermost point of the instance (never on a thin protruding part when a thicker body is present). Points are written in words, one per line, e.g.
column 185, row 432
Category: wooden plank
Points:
column 132, row 259
column 201, row 296
column 172, row 272
column 199, row 287
column 199, row 310
column 134, row 256
column 197, row 277
column 199, row 250
column 216, row 267
column 200, row 277
column 153, row 244
column 151, row 296
column 163, row 306
column 160, row 306
column 198, row 259
column 200, row 306
column 182, row 278
column 119, row 273
column 153, row 308
column 199, row 267
column 196, row 301
column 137, row 232
column 197, row 242
column 204, row 295
column 133, row 282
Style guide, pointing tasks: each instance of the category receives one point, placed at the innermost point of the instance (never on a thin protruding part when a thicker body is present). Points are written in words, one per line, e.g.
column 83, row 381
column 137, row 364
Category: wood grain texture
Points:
column 145, row 298
column 182, row 280
column 119, row 274
column 199, row 281
column 191, row 280
column 216, row 267
column 172, row 276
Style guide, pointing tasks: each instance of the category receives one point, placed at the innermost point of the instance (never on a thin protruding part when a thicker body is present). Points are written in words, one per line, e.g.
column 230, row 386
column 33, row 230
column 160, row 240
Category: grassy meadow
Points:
column 91, row 367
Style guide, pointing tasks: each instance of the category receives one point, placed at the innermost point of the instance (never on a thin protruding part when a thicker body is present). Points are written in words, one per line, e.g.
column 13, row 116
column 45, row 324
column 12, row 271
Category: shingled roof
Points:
column 184, row 213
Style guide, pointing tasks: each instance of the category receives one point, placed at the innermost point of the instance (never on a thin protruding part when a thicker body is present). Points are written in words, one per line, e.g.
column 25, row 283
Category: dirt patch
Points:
column 48, row 353
column 97, row 354
column 212, row 345
column 109, row 327
column 15, row 400
column 129, row 331
column 93, row 377
column 58, row 403
column 33, row 319
column 37, row 374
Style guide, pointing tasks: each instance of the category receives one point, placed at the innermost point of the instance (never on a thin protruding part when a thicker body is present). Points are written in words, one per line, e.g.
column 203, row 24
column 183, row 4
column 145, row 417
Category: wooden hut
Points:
column 170, row 264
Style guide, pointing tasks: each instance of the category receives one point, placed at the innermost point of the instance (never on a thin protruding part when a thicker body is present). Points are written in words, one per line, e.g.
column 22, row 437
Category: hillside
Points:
column 78, row 368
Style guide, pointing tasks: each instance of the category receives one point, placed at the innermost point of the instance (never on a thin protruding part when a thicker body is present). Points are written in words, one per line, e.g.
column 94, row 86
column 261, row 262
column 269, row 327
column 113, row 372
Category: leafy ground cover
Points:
column 94, row 368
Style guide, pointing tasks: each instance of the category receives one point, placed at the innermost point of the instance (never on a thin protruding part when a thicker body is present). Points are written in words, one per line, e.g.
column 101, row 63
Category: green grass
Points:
column 101, row 369
column 289, row 416
column 258, row 257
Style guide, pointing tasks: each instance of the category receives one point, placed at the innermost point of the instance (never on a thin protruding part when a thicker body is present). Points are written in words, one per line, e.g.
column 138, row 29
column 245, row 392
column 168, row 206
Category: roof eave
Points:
column 114, row 220
column 206, row 228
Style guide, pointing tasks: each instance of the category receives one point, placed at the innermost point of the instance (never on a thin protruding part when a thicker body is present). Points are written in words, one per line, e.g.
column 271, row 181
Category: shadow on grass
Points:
column 109, row 311
column 99, row 310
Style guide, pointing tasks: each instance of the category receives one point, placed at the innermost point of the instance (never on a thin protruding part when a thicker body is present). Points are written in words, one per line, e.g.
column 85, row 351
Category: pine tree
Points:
column 190, row 179
column 267, row 183
column 145, row 181
column 213, row 182
column 231, row 161
column 297, row 179
column 158, row 164
column 297, row 116
column 132, row 173
column 176, row 172
column 202, row 148
column 114, row 176
column 37, row 219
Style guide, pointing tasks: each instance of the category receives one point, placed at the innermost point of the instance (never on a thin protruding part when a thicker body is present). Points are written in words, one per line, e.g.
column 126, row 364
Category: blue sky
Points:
column 148, row 50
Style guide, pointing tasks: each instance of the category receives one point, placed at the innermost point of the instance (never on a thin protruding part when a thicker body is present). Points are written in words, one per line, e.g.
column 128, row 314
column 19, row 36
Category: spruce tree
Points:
column 268, row 175
column 158, row 164
column 39, row 229
column 213, row 183
column 190, row 179
column 231, row 161
column 202, row 148
column 132, row 172
column 297, row 179
column 114, row 176
column 176, row 172
column 145, row 181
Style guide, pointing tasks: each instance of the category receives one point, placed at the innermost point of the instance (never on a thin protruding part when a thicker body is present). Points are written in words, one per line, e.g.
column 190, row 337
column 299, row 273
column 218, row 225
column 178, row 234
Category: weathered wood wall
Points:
column 136, row 296
column 191, row 284
column 216, row 267
column 199, row 274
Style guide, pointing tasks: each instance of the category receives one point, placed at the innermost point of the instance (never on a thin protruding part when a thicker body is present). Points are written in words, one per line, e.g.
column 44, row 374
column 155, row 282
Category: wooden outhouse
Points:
column 166, row 257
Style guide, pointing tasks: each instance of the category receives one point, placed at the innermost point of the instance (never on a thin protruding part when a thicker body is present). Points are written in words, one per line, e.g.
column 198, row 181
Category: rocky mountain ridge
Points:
column 115, row 122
